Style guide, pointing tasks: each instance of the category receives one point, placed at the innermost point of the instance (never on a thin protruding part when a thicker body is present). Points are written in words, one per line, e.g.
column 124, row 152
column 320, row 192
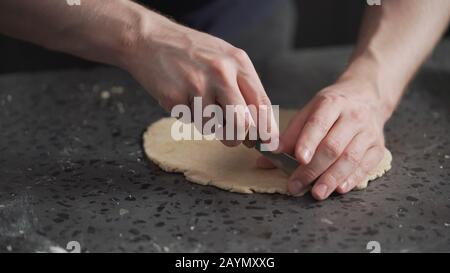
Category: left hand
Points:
column 337, row 138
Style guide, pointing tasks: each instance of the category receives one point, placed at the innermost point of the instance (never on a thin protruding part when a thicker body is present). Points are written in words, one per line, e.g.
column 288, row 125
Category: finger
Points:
column 237, row 115
column 351, row 181
column 371, row 159
column 316, row 127
column 228, row 96
column 327, row 153
column 254, row 94
column 338, row 172
column 289, row 137
column 197, row 105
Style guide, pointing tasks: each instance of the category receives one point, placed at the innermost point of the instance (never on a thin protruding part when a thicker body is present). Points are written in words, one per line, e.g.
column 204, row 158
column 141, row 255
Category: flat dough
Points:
column 212, row 163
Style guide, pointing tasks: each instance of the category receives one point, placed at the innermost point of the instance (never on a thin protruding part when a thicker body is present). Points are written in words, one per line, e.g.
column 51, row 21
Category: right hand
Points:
column 175, row 63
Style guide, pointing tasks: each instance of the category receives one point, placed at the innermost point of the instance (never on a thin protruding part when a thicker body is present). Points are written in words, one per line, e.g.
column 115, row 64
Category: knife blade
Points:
column 282, row 161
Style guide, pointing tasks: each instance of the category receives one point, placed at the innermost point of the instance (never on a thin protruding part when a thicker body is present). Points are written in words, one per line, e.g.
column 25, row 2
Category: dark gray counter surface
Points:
column 72, row 168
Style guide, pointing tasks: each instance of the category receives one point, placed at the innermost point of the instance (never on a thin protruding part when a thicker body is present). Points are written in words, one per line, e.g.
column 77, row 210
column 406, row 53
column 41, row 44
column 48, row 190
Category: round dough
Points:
column 233, row 169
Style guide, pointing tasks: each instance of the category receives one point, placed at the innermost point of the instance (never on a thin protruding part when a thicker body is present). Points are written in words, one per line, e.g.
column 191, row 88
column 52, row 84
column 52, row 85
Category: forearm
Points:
column 99, row 30
column 395, row 39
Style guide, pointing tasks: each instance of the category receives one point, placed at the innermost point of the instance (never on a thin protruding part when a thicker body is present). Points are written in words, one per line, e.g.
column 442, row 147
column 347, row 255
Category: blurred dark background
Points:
column 319, row 24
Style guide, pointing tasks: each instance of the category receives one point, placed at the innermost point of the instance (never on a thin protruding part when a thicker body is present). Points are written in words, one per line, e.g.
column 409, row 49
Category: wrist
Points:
column 129, row 35
column 142, row 35
column 373, row 86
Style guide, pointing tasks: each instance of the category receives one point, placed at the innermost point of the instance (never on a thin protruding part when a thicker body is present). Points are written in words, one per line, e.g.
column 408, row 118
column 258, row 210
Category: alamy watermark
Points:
column 373, row 246
column 73, row 247
column 373, row 2
column 73, row 2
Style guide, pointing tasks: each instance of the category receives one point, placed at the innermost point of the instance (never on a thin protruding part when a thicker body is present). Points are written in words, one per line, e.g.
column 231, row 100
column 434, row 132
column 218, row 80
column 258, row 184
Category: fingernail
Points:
column 306, row 154
column 295, row 187
column 344, row 186
column 321, row 191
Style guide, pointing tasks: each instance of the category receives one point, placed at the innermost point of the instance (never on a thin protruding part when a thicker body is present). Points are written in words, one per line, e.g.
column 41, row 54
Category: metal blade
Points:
column 282, row 161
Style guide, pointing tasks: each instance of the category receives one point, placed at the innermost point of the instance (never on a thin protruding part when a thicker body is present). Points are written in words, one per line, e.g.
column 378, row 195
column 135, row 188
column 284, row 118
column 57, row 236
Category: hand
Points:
column 337, row 138
column 175, row 64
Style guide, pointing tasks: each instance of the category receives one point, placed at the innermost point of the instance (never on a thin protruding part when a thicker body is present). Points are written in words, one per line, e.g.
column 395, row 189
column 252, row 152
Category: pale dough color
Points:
column 233, row 169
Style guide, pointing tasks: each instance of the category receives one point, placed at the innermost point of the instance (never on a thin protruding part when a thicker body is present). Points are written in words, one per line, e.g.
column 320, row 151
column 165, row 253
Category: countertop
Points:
column 72, row 168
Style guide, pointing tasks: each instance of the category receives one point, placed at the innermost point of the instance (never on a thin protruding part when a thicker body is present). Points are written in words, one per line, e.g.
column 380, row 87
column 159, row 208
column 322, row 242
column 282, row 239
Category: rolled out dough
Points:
column 233, row 169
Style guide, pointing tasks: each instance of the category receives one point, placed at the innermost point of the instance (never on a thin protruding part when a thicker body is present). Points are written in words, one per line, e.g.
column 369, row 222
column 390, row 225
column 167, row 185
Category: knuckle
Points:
column 171, row 99
column 332, row 179
column 309, row 174
column 364, row 168
column 198, row 92
column 239, row 54
column 166, row 104
column 317, row 122
column 305, row 145
column 198, row 84
column 352, row 156
column 376, row 156
column 362, row 173
column 374, row 137
column 332, row 147
column 329, row 98
column 219, row 65
column 357, row 115
column 324, row 98
column 264, row 100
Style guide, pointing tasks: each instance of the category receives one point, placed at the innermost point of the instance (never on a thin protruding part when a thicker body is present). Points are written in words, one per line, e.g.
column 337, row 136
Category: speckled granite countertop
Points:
column 72, row 169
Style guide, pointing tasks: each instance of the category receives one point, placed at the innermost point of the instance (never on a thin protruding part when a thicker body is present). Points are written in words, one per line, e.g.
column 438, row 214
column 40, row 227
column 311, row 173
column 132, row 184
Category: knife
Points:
column 282, row 161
